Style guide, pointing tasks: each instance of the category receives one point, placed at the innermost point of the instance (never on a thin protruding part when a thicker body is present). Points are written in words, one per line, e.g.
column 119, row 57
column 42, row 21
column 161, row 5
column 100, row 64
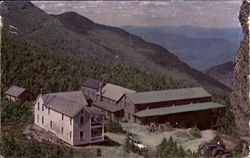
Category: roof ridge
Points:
column 67, row 99
column 118, row 86
column 166, row 90
column 64, row 92
column 48, row 98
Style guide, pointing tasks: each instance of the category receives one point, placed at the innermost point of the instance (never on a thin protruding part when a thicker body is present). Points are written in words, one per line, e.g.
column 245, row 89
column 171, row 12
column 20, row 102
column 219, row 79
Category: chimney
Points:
column 100, row 88
column 41, row 91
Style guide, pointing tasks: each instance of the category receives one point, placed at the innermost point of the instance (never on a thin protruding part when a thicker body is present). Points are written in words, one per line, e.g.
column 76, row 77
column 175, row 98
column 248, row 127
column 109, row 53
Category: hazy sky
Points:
column 155, row 13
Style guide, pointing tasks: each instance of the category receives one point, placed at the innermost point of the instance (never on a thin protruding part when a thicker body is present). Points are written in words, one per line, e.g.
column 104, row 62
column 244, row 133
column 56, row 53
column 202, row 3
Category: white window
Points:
column 62, row 116
column 42, row 119
column 70, row 134
column 48, row 110
column 70, row 121
column 38, row 106
column 62, row 130
column 37, row 118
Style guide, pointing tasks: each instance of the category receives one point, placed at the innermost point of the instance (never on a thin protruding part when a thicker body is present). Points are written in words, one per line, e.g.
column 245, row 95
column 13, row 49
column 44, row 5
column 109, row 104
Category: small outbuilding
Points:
column 91, row 86
column 15, row 93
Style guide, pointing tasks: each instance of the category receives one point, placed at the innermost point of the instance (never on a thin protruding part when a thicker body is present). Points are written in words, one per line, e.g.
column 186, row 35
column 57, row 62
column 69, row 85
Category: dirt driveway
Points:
column 181, row 136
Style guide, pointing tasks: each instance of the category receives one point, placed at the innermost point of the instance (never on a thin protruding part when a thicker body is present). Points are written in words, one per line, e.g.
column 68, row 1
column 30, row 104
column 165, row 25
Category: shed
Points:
column 14, row 93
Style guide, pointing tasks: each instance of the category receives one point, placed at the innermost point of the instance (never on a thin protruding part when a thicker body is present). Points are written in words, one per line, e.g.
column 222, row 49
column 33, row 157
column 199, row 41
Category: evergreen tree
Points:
column 161, row 147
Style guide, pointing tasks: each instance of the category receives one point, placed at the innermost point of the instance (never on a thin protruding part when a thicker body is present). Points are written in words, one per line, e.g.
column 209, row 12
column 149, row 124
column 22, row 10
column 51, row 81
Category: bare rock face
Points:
column 240, row 96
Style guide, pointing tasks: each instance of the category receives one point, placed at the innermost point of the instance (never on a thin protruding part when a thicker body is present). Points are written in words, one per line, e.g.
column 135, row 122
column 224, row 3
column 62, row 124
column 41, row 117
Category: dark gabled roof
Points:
column 92, row 83
column 178, row 109
column 94, row 110
column 15, row 91
column 107, row 106
column 68, row 103
column 167, row 95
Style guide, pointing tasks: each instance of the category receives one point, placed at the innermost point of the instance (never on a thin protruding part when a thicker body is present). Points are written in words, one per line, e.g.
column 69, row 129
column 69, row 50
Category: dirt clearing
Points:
column 181, row 136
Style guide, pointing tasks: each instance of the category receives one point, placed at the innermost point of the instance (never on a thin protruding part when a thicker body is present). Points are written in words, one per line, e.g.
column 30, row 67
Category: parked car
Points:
column 208, row 148
column 217, row 151
column 139, row 145
column 124, row 120
column 226, row 155
column 202, row 145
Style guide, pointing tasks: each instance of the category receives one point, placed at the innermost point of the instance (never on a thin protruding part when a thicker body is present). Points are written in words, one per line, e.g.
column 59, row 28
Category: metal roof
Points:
column 167, row 95
column 178, row 109
column 92, row 83
column 68, row 103
column 107, row 106
column 114, row 92
column 15, row 91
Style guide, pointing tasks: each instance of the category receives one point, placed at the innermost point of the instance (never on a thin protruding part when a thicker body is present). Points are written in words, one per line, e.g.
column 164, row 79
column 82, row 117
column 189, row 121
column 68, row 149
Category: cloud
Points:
column 151, row 13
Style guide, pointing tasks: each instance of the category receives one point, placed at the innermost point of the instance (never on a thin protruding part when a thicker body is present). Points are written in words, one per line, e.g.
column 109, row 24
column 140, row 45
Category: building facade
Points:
column 69, row 117
column 91, row 86
column 109, row 100
column 144, row 107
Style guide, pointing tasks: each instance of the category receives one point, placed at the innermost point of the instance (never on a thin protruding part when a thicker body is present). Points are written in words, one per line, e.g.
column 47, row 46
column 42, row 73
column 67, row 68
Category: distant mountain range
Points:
column 70, row 34
column 200, row 48
column 222, row 73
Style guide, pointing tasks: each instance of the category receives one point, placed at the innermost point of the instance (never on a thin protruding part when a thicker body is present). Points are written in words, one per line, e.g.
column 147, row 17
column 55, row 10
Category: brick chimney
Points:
column 41, row 91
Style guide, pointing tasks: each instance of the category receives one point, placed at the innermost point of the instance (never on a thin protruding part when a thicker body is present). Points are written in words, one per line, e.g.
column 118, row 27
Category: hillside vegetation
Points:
column 74, row 36
column 222, row 73
column 32, row 68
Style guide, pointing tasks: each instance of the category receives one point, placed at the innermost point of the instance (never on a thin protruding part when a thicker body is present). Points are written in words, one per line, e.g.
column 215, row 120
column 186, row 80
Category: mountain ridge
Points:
column 200, row 52
column 99, row 43
column 223, row 73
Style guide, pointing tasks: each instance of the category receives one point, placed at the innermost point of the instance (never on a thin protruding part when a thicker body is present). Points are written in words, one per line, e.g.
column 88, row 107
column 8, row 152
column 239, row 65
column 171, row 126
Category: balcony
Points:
column 96, row 124
column 97, row 121
column 97, row 139
column 97, row 135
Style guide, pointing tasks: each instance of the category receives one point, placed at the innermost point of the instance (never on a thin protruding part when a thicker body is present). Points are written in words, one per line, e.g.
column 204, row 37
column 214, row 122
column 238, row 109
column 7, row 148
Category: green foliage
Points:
column 171, row 149
column 114, row 126
column 33, row 68
column 237, row 149
column 195, row 132
column 229, row 119
column 14, row 144
column 15, row 113
column 128, row 145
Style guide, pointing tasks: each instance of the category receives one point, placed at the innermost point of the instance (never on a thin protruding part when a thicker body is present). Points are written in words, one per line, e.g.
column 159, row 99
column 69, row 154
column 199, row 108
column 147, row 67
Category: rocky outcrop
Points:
column 240, row 96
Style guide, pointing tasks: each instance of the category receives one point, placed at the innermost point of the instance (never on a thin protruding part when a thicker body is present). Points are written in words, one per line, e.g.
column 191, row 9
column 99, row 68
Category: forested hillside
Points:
column 33, row 68
column 222, row 73
column 76, row 37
